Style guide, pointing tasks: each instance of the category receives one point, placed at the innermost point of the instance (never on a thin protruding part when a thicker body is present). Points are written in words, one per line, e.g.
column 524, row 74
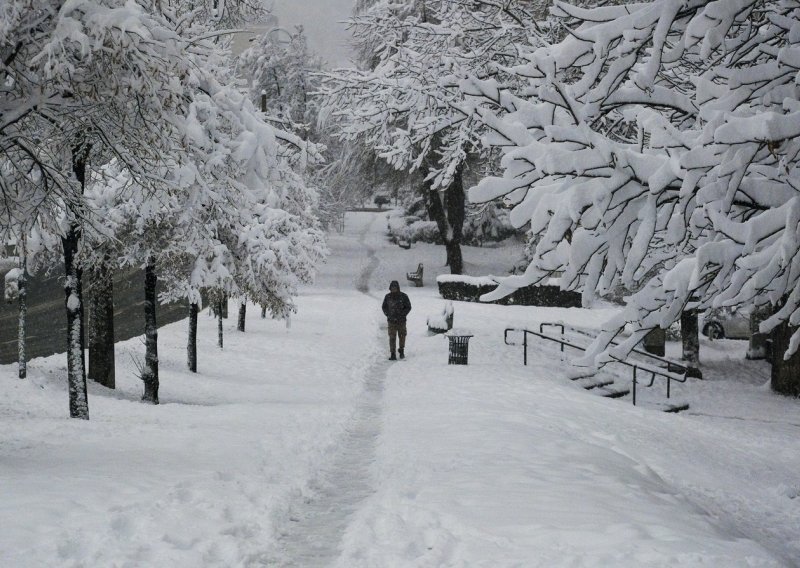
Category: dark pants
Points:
column 395, row 330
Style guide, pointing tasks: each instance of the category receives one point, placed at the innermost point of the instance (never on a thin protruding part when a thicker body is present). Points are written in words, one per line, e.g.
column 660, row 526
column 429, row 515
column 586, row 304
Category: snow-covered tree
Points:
column 85, row 82
column 281, row 66
column 237, row 219
column 661, row 138
column 283, row 74
column 407, row 105
column 93, row 82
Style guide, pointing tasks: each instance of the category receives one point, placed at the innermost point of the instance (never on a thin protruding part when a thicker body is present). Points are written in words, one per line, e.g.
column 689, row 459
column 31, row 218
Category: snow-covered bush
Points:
column 422, row 231
column 487, row 224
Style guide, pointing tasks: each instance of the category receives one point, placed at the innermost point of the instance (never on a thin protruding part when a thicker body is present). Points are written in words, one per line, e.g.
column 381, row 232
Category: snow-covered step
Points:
column 613, row 391
column 592, row 383
column 654, row 401
column 673, row 406
column 609, row 385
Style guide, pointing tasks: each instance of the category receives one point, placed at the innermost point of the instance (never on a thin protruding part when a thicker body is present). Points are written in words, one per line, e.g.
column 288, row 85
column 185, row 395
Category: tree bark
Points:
column 447, row 208
column 22, row 284
column 242, row 314
column 223, row 306
column 73, row 299
column 690, row 338
column 757, row 349
column 191, row 349
column 150, row 370
column 785, row 372
column 219, row 325
column 101, row 325
column 263, row 311
column 76, row 375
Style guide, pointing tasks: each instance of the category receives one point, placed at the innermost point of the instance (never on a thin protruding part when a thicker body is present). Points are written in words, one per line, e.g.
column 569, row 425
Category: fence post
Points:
column 525, row 347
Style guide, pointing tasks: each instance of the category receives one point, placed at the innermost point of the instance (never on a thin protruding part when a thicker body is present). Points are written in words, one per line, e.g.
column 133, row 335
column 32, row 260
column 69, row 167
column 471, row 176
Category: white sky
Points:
column 322, row 20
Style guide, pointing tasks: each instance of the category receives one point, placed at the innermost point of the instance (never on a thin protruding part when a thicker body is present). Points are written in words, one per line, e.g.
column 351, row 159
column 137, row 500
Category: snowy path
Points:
column 362, row 284
column 317, row 525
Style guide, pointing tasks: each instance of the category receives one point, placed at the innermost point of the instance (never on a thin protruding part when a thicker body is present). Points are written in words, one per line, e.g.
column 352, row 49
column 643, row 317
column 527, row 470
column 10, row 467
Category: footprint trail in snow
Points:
column 311, row 538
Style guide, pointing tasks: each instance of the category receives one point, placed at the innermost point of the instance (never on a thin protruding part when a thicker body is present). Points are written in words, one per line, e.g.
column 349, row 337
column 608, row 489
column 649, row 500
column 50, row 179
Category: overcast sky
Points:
column 321, row 20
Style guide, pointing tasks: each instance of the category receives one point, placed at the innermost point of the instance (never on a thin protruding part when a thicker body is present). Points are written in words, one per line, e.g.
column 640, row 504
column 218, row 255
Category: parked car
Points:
column 730, row 323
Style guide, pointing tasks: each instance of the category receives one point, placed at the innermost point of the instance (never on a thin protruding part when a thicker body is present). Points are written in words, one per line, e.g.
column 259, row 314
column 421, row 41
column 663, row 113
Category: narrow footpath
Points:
column 317, row 525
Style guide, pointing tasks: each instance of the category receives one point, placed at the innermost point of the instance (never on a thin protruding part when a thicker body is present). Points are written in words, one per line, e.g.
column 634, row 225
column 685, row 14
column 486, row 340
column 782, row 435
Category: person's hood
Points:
column 394, row 285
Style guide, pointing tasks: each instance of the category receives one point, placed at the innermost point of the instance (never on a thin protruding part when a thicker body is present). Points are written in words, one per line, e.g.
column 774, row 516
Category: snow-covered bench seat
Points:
column 441, row 322
column 416, row 277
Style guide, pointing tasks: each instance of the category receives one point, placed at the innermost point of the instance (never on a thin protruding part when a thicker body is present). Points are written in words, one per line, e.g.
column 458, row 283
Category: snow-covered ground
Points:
column 302, row 446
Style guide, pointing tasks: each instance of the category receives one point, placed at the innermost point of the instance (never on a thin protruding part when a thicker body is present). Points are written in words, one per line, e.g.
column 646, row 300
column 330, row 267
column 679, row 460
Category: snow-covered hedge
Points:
column 423, row 231
column 471, row 288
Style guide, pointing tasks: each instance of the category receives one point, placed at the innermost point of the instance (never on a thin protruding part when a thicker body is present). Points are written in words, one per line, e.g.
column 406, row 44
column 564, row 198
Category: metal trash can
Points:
column 459, row 349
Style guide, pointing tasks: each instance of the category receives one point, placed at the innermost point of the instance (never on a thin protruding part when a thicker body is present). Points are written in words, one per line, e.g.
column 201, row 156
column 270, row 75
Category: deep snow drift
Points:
column 300, row 445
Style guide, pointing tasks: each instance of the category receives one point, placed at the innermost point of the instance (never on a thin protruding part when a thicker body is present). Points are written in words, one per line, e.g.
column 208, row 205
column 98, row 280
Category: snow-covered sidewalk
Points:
column 501, row 465
column 303, row 447
column 204, row 478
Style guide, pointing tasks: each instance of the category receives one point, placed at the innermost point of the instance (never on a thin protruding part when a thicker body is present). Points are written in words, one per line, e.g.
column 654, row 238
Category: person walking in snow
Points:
column 396, row 306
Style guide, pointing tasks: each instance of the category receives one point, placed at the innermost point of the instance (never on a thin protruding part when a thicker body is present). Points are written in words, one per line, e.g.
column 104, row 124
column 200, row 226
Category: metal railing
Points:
column 672, row 366
column 635, row 366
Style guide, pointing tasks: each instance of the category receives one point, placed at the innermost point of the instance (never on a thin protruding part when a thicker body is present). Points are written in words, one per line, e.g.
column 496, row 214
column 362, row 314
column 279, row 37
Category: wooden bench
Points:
column 415, row 277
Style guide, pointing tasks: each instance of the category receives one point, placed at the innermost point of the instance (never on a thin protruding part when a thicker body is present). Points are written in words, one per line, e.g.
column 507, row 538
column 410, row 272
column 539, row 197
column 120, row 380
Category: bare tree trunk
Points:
column 73, row 297
column 757, row 349
column 76, row 375
column 219, row 325
column 690, row 338
column 785, row 372
column 150, row 370
column 101, row 325
column 263, row 311
column 22, row 284
column 191, row 349
column 242, row 314
column 223, row 306
column 447, row 208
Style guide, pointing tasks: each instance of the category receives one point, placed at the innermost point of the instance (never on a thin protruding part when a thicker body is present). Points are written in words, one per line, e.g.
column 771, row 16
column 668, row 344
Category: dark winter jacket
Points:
column 396, row 306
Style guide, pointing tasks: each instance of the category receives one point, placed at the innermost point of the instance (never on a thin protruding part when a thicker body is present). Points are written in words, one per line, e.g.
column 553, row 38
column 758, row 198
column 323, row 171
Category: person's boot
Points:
column 402, row 355
column 392, row 357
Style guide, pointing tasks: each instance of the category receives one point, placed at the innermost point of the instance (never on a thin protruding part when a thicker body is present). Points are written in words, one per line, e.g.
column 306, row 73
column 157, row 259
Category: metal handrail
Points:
column 678, row 367
column 654, row 371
